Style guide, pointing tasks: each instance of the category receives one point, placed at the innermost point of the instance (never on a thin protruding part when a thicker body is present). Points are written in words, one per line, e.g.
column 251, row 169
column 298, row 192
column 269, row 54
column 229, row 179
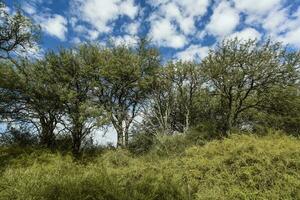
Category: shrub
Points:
column 141, row 143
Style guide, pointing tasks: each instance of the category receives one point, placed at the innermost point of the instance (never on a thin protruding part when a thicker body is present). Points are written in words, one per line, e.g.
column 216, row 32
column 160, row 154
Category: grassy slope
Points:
column 240, row 167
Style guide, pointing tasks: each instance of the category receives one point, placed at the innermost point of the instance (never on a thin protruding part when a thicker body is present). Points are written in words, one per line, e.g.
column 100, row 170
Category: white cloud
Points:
column 89, row 34
column 76, row 40
column 282, row 26
column 93, row 34
column 257, row 10
column 100, row 13
column 194, row 7
column 224, row 20
column 192, row 53
column 274, row 22
column 291, row 37
column 187, row 7
column 28, row 8
column 157, row 3
column 164, row 33
column 125, row 40
column 183, row 13
column 54, row 25
column 173, row 22
column 256, row 6
column 128, row 8
column 246, row 34
column 133, row 28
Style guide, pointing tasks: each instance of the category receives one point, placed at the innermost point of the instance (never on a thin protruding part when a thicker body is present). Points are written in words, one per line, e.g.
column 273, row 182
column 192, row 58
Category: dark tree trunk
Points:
column 47, row 136
column 77, row 135
column 76, row 146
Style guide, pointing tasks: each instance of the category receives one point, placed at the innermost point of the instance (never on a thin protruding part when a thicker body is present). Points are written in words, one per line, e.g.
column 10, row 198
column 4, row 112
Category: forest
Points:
column 224, row 127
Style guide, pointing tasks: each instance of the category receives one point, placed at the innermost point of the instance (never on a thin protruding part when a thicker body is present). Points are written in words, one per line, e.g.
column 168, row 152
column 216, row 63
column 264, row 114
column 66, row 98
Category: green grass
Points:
column 239, row 167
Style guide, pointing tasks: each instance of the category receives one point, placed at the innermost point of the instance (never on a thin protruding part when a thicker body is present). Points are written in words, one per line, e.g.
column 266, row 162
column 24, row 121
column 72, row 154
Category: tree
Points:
column 30, row 97
column 173, row 105
column 17, row 33
column 73, row 71
column 123, row 84
column 242, row 73
column 281, row 111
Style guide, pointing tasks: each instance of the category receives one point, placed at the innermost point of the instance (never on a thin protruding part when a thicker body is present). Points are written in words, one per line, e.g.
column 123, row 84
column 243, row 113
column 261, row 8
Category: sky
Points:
column 181, row 29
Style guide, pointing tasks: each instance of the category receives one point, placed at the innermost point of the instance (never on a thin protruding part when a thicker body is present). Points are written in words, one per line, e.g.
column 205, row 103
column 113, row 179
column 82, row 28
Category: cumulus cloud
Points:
column 246, row 34
column 29, row 8
column 256, row 6
column 275, row 20
column 101, row 13
column 164, row 33
column 54, row 25
column 224, row 20
column 176, row 19
column 133, row 28
column 291, row 37
column 128, row 40
column 282, row 26
column 192, row 53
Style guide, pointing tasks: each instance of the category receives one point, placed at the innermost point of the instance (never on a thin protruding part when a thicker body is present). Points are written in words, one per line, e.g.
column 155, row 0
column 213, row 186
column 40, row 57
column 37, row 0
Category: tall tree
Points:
column 243, row 72
column 73, row 71
column 124, row 82
column 31, row 97
column 172, row 106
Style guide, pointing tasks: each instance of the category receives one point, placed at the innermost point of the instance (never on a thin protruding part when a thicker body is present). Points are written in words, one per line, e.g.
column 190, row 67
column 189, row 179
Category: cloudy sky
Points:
column 182, row 29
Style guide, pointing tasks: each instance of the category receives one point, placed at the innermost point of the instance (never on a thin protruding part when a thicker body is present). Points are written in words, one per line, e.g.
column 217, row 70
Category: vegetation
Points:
column 225, row 127
column 239, row 167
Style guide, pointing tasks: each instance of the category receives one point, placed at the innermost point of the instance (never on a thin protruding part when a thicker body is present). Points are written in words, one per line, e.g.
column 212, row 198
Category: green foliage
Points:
column 124, row 81
column 141, row 143
column 243, row 73
column 239, row 167
column 281, row 111
column 18, row 33
column 18, row 138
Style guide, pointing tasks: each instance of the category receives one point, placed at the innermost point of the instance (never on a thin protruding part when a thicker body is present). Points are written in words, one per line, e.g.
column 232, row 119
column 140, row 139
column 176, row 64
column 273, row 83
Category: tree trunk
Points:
column 120, row 139
column 76, row 146
column 77, row 135
column 126, row 139
column 229, row 123
column 47, row 135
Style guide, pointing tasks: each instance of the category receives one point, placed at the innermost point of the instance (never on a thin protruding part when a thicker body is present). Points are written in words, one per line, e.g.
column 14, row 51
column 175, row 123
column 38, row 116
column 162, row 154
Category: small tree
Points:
column 242, row 73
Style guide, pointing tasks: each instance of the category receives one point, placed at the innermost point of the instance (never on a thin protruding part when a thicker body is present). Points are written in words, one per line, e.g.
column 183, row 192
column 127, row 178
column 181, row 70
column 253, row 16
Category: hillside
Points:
column 239, row 167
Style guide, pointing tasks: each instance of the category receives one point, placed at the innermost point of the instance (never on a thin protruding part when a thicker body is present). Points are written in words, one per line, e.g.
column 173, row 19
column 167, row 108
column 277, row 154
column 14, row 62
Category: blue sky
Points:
column 182, row 29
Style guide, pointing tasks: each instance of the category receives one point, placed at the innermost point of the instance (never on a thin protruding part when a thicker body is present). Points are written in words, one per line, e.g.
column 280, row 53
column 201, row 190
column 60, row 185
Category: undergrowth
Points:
column 238, row 167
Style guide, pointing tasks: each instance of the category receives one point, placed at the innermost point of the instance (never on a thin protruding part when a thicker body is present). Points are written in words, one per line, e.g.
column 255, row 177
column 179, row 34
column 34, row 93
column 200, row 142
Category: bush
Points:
column 141, row 143
column 18, row 137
